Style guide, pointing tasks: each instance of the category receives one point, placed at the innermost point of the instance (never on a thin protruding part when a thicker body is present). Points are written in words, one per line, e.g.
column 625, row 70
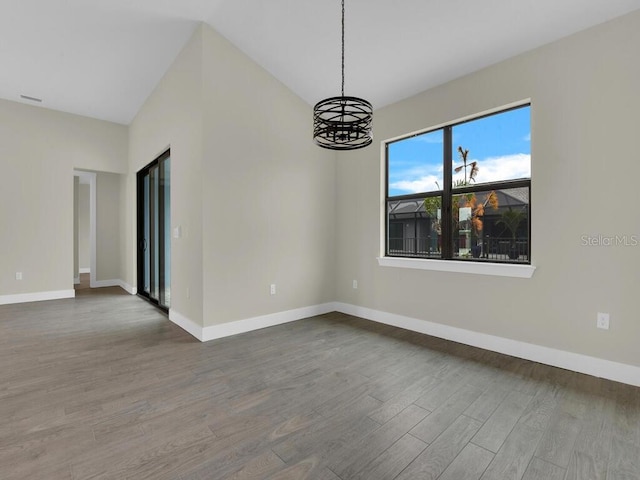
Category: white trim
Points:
column 36, row 297
column 127, row 288
column 457, row 266
column 76, row 280
column 84, row 270
column 186, row 324
column 264, row 321
column 115, row 283
column 597, row 367
column 248, row 324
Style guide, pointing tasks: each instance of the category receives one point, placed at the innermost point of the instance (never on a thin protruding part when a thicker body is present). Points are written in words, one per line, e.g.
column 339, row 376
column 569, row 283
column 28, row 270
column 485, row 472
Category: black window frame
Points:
column 448, row 192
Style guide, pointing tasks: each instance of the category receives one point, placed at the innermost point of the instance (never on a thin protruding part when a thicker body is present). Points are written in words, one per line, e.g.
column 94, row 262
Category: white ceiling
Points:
column 102, row 58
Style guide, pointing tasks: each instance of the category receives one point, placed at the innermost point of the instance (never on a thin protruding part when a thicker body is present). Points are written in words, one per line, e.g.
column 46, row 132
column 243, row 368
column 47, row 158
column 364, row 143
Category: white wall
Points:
column 585, row 104
column 84, row 252
column 252, row 194
column 268, row 193
column 172, row 117
column 39, row 150
column 76, row 246
column 127, row 207
column 108, row 226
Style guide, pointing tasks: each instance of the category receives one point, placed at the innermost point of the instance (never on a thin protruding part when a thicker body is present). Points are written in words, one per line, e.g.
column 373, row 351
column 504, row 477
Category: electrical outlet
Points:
column 603, row 321
column 355, row 284
column 18, row 275
column 273, row 289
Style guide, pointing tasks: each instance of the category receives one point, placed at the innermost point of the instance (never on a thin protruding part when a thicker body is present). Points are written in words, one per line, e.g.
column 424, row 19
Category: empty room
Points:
column 328, row 240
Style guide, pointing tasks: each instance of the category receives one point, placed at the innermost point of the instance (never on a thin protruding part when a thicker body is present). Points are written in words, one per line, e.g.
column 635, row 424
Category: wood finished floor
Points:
column 105, row 387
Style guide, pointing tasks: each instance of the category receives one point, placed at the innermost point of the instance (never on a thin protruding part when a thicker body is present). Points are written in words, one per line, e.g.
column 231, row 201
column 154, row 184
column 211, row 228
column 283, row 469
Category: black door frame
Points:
column 142, row 243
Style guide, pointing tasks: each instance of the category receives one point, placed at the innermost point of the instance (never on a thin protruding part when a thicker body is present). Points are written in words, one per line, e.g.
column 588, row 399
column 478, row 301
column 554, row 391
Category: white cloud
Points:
column 414, row 172
column 508, row 167
column 491, row 169
column 527, row 137
column 422, row 184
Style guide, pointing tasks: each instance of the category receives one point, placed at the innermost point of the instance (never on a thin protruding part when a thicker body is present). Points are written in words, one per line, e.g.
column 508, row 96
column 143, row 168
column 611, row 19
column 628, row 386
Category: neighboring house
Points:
column 414, row 231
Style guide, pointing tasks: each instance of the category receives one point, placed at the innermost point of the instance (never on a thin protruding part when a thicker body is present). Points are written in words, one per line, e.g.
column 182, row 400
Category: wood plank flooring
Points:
column 103, row 386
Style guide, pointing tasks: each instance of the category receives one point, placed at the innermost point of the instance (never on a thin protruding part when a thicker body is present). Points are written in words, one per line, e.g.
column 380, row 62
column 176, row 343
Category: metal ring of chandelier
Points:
column 342, row 123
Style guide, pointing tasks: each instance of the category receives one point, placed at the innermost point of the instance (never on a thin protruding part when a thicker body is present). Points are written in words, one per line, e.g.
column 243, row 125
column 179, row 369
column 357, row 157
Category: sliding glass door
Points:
column 154, row 231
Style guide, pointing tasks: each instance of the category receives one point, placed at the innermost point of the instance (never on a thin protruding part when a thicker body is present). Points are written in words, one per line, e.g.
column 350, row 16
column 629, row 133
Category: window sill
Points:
column 456, row 266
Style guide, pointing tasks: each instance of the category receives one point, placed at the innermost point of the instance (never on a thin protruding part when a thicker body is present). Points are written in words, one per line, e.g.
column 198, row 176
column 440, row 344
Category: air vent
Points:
column 33, row 99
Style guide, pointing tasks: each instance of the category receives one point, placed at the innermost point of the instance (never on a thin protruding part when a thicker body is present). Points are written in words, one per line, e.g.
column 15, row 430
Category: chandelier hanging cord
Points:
column 342, row 123
column 342, row 48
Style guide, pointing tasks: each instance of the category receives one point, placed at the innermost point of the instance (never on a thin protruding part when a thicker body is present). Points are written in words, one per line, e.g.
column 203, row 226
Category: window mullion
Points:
column 447, row 222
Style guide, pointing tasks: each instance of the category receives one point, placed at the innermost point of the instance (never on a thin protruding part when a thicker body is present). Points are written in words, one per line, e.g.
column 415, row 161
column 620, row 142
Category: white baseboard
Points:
column 596, row 367
column 264, row 321
column 247, row 325
column 84, row 270
column 115, row 283
column 186, row 324
column 128, row 288
column 36, row 297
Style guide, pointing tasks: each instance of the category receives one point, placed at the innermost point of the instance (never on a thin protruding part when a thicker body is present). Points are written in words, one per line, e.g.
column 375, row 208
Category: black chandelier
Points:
column 342, row 123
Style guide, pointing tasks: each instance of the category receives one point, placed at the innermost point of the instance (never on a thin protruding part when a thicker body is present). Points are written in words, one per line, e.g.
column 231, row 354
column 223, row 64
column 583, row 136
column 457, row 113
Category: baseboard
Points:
column 248, row 324
column 36, row 297
column 186, row 324
column 596, row 367
column 128, row 288
column 84, row 270
column 115, row 283
column 264, row 321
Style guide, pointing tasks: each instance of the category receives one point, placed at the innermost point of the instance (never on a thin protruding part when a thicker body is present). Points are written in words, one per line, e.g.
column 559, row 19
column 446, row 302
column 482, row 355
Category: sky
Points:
column 501, row 144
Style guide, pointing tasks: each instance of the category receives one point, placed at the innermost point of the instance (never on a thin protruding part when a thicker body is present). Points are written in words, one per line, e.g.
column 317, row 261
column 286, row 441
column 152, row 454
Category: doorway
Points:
column 84, row 235
column 154, row 231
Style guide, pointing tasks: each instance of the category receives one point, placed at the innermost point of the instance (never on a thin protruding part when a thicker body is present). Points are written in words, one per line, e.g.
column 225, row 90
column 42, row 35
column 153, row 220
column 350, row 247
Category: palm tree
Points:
column 433, row 204
column 473, row 166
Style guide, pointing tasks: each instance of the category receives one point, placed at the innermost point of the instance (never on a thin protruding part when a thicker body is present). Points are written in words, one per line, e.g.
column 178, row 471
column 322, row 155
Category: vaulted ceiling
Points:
column 102, row 58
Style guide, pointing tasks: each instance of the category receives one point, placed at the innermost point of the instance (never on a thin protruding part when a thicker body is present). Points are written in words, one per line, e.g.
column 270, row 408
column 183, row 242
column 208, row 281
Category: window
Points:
column 463, row 191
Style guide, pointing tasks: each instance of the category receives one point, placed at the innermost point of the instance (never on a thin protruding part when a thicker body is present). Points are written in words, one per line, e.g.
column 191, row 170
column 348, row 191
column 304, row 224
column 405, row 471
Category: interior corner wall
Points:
column 127, row 228
column 39, row 149
column 268, row 193
column 108, row 227
column 84, row 252
column 584, row 106
column 172, row 118
column 76, row 228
